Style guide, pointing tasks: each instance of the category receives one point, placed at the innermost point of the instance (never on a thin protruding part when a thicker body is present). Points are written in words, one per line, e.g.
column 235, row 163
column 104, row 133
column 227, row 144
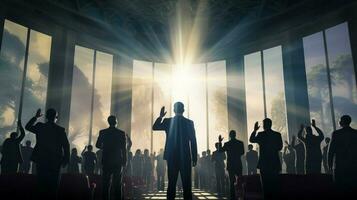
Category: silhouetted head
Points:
column 267, row 123
column 308, row 130
column 138, row 152
column 216, row 145
column 130, row 154
column 13, row 135
column 161, row 151
column 327, row 140
column 146, row 152
column 345, row 121
column 28, row 143
column 204, row 154
column 208, row 152
column 232, row 134
column 74, row 151
column 179, row 108
column 250, row 147
column 112, row 120
column 90, row 148
column 51, row 115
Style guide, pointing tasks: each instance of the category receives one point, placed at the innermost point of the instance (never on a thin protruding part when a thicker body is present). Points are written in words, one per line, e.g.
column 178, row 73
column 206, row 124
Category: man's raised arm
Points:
column 253, row 137
column 30, row 126
column 158, row 124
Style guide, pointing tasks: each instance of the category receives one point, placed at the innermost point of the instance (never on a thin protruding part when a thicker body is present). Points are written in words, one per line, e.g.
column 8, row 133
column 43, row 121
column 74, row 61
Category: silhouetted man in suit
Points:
column 26, row 152
column 11, row 155
column 342, row 156
column 114, row 156
column 270, row 144
column 252, row 160
column 218, row 159
column 160, row 170
column 313, row 148
column 235, row 150
column 50, row 152
column 180, row 149
column 300, row 154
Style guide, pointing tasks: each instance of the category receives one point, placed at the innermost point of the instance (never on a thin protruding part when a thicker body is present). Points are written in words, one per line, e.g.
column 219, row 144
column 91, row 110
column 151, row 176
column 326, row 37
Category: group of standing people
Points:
column 52, row 151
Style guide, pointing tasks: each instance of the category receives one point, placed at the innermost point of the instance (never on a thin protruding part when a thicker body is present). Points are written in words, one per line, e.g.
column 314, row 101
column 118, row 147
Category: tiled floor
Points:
column 197, row 194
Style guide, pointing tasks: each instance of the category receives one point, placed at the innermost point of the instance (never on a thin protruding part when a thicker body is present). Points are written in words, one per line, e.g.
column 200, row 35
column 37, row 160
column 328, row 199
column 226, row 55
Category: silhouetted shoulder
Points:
column 60, row 128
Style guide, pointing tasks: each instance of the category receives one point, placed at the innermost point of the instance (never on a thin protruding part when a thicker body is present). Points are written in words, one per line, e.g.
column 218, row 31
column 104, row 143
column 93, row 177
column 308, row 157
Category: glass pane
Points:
column 11, row 70
column 317, row 82
column 217, row 102
column 141, row 125
column 35, row 92
column 81, row 98
column 275, row 91
column 342, row 73
column 198, row 104
column 102, row 93
column 254, row 90
column 162, row 97
column 180, row 84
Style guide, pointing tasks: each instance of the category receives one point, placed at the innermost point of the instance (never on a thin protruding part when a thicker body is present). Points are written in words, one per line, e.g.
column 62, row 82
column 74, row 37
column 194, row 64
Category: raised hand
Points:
column 38, row 113
column 313, row 123
column 256, row 126
column 162, row 112
column 220, row 138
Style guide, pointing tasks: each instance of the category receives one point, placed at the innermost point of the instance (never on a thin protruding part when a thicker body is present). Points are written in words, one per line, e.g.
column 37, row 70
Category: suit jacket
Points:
column 180, row 142
column 343, row 148
column 52, row 147
column 270, row 144
column 11, row 149
column 113, row 143
column 235, row 150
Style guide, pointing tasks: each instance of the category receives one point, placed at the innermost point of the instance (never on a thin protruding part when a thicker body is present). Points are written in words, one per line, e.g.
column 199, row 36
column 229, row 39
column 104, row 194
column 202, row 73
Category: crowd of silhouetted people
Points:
column 178, row 161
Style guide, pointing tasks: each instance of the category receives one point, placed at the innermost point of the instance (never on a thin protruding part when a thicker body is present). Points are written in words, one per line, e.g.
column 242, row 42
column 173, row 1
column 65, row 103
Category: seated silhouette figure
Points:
column 114, row 157
column 180, row 149
column 235, row 150
column 11, row 155
column 270, row 145
column 342, row 157
column 313, row 148
column 50, row 152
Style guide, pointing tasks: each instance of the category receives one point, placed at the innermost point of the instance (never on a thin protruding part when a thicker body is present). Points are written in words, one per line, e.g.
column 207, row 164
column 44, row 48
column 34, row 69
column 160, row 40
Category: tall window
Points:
column 265, row 93
column 24, row 65
column 141, row 118
column 201, row 87
column 330, row 76
column 91, row 95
